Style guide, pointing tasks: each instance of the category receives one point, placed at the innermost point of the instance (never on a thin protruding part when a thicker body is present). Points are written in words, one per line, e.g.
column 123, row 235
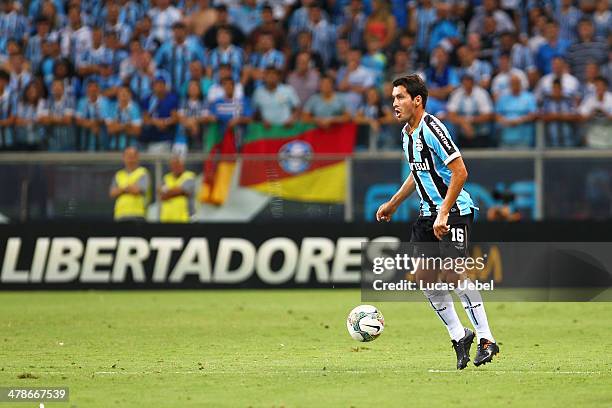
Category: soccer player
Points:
column 447, row 210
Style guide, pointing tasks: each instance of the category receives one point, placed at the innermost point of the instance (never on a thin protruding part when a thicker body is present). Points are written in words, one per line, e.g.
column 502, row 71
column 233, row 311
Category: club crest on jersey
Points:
column 419, row 145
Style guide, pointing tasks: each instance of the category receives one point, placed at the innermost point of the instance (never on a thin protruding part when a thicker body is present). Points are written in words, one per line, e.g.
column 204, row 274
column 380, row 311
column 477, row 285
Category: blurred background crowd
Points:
column 95, row 75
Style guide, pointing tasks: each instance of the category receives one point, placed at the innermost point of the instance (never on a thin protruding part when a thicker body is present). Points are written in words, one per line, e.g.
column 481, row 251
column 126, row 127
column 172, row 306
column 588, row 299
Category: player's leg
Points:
column 440, row 300
column 455, row 244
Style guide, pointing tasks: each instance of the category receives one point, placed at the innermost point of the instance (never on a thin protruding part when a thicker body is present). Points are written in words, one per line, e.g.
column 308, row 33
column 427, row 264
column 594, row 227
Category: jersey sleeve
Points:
column 438, row 139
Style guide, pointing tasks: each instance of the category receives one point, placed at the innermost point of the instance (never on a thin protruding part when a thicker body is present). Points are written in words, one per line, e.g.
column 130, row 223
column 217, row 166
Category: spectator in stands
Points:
column 521, row 57
column 516, row 112
column 596, row 112
column 217, row 91
column 192, row 114
column 163, row 16
column 141, row 80
column 131, row 12
column 553, row 47
column 226, row 53
column 586, row 50
column 112, row 23
column 405, row 42
column 247, row 15
column 568, row 17
column 602, row 19
column 480, row 71
column 501, row 82
column 231, row 110
column 13, row 24
column 325, row 108
column 28, row 134
column 441, row 78
column 378, row 116
column 196, row 73
column 263, row 56
column 90, row 118
column 401, row 66
column 598, row 105
column 323, row 33
column 490, row 8
column 130, row 188
column 353, row 79
column 444, row 31
column 176, row 193
column 374, row 59
column 144, row 33
column 558, row 114
column 19, row 70
column 591, row 72
column 304, row 44
column 268, row 25
column 160, row 118
column 176, row 55
column 64, row 71
column 33, row 51
column 423, row 16
column 299, row 20
column 203, row 18
column 569, row 83
column 123, row 121
column 211, row 35
column 304, row 78
column 470, row 109
column 276, row 103
column 108, row 81
column 7, row 108
column 88, row 60
column 56, row 117
column 352, row 23
column 381, row 23
column 117, row 53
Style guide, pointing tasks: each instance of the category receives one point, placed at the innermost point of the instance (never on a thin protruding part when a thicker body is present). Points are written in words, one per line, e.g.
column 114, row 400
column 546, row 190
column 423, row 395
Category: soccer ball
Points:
column 365, row 323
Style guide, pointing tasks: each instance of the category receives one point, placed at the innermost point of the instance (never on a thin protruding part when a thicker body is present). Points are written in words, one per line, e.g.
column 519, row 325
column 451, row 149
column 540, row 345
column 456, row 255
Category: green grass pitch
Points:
column 291, row 349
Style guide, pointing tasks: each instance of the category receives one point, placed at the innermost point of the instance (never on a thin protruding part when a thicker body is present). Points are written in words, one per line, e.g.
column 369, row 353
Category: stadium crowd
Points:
column 96, row 75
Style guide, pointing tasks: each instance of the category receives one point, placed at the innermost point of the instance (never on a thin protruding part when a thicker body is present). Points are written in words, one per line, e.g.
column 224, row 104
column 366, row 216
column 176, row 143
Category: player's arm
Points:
column 457, row 181
column 386, row 210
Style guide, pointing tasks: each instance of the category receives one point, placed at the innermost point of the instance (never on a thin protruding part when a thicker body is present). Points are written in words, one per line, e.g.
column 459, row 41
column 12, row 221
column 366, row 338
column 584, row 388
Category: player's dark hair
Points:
column 414, row 86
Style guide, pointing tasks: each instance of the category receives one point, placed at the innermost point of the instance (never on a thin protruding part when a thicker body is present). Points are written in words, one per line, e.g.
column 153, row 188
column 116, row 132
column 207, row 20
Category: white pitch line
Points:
column 213, row 371
column 524, row 372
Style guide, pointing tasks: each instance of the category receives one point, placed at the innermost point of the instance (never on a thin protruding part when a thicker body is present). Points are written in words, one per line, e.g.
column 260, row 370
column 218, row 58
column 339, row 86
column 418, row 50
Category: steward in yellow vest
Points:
column 177, row 192
column 130, row 188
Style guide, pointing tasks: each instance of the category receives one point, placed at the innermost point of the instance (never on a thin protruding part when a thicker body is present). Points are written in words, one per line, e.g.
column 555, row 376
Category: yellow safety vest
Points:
column 130, row 205
column 176, row 209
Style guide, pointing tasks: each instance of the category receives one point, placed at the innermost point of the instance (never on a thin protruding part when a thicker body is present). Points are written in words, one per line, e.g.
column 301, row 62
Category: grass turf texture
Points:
column 291, row 348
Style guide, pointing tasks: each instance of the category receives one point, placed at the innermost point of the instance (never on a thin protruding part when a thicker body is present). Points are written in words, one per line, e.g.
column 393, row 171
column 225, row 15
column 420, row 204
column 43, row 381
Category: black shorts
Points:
column 453, row 245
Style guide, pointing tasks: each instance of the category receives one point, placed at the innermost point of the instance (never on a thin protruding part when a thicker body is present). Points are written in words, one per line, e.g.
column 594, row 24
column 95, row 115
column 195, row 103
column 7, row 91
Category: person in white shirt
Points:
column 163, row 16
column 569, row 83
column 596, row 113
column 501, row 82
column 470, row 109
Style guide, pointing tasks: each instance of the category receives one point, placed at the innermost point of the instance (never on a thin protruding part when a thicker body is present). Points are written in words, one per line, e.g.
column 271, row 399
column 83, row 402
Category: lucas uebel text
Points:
column 380, row 285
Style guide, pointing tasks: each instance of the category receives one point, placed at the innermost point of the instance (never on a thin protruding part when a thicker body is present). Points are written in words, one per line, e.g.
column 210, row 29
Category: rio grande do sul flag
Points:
column 294, row 174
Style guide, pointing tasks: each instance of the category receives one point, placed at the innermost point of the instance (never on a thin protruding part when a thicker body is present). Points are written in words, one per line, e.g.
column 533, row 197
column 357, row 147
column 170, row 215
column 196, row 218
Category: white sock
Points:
column 442, row 303
column 474, row 307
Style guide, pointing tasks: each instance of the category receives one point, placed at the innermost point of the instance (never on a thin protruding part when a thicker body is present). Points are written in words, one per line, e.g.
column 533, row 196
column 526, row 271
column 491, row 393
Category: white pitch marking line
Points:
column 523, row 372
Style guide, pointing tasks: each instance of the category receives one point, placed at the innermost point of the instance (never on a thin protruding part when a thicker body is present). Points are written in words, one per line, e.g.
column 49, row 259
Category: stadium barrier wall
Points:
column 47, row 256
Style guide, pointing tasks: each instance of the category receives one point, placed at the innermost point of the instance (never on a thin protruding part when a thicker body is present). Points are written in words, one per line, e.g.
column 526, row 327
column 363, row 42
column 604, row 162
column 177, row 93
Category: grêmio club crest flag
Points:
column 295, row 174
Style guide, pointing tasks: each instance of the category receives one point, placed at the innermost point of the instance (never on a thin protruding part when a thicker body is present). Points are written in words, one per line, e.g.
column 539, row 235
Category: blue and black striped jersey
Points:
column 428, row 150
